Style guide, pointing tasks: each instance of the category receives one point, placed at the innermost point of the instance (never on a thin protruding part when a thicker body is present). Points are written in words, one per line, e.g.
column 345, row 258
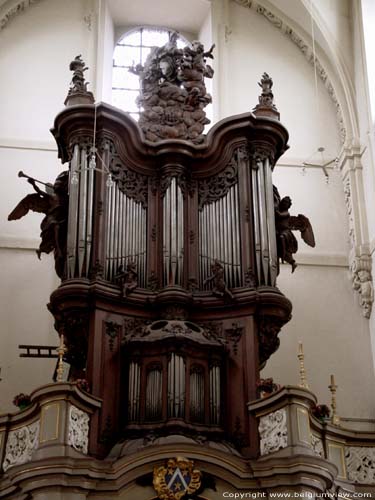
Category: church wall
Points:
column 326, row 317
column 248, row 46
column 37, row 47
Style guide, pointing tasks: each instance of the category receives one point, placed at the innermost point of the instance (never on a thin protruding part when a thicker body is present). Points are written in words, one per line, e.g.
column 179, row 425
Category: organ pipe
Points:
column 176, row 386
column 173, row 234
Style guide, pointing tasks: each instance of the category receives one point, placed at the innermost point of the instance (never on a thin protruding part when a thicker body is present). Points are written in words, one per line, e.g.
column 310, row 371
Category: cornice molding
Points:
column 11, row 8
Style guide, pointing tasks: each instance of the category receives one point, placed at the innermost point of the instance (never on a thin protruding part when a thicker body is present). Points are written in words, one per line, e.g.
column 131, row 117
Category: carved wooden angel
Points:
column 54, row 204
column 220, row 288
column 285, row 223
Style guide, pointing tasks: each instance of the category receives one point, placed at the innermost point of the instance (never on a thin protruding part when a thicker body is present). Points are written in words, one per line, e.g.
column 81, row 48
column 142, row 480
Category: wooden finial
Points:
column 335, row 419
column 302, row 371
column 60, row 365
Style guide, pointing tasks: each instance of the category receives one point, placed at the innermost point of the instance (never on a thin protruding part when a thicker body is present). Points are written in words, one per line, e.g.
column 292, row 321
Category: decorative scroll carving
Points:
column 78, row 431
column 250, row 278
column 153, row 282
column 212, row 330
column 54, row 204
column 134, row 327
column 269, row 328
column 78, row 93
column 131, row 183
column 14, row 11
column 173, row 94
column 306, row 50
column 273, row 432
column 112, row 329
column 317, row 445
column 216, row 187
column 234, row 335
column 360, row 464
column 73, row 325
column 21, row 444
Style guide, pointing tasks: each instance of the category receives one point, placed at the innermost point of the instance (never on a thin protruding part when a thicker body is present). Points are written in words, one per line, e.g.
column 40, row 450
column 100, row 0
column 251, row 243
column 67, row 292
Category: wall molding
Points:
column 11, row 9
column 306, row 50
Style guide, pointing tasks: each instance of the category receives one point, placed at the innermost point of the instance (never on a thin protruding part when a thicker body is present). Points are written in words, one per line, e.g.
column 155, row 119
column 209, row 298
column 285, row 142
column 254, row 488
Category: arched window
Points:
column 132, row 49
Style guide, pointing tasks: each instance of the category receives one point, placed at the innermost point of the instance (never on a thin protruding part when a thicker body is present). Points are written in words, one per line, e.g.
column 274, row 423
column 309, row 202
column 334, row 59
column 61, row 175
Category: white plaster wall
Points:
column 37, row 46
column 326, row 315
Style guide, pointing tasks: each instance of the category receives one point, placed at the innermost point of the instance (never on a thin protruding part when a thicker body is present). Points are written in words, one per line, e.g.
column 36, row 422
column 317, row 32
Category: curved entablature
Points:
column 78, row 121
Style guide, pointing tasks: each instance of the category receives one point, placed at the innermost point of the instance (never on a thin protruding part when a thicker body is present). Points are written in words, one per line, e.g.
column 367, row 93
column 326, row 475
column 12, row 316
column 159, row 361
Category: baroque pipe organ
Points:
column 168, row 305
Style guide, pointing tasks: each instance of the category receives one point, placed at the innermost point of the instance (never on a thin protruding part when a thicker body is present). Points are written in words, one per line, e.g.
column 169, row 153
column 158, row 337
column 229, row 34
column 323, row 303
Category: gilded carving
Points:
column 78, row 431
column 360, row 464
column 273, row 432
column 21, row 444
column 176, row 479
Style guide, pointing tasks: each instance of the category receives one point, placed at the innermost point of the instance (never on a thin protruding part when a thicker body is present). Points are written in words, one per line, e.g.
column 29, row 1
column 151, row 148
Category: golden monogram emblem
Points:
column 178, row 477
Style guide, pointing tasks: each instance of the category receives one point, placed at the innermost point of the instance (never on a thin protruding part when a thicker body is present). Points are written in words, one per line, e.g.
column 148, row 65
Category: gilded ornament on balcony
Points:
column 176, row 479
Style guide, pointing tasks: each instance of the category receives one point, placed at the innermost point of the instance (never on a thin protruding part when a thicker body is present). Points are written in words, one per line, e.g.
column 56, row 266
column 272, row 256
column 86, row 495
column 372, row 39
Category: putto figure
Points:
column 220, row 288
column 285, row 223
column 173, row 94
column 54, row 204
column 128, row 278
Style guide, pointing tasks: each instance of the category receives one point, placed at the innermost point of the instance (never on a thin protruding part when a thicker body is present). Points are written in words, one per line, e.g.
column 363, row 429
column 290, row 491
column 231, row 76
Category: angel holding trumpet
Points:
column 53, row 202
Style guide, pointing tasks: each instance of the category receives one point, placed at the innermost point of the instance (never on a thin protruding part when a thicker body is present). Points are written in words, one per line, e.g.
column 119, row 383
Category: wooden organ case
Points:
column 169, row 305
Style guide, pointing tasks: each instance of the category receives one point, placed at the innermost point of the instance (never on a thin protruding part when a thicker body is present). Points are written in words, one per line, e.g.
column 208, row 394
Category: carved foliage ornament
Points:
column 14, row 11
column 21, row 444
column 217, row 187
column 176, row 479
column 273, row 432
column 360, row 464
column 131, row 183
column 78, row 433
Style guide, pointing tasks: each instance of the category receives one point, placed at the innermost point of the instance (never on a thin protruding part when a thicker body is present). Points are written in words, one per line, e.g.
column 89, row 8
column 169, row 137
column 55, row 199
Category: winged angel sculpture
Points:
column 285, row 223
column 54, row 204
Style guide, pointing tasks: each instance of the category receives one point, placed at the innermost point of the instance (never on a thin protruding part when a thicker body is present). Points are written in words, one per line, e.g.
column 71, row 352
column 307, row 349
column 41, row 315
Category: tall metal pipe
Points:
column 73, row 215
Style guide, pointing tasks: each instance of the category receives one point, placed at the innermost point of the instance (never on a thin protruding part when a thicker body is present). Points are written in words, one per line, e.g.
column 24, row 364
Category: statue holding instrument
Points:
column 53, row 202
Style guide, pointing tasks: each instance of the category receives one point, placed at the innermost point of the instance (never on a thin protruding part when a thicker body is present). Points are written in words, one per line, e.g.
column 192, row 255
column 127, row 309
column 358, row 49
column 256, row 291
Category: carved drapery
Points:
column 273, row 432
column 78, row 430
column 360, row 464
column 21, row 444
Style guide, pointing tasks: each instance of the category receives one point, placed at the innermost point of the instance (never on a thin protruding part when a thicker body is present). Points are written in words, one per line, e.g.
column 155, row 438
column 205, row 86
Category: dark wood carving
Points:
column 173, row 94
column 285, row 223
column 54, row 204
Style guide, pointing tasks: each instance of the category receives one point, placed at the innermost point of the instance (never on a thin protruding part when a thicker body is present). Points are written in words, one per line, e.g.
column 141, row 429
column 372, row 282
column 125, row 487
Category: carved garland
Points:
column 306, row 51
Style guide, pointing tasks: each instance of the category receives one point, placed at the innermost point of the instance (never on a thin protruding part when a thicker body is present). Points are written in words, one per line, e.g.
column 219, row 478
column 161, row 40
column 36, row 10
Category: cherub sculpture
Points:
column 128, row 278
column 220, row 288
column 285, row 223
column 54, row 204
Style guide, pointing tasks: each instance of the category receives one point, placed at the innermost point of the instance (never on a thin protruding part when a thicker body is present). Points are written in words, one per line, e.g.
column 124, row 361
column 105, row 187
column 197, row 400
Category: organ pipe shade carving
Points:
column 134, row 388
column 176, row 386
column 197, row 392
column 154, row 393
column 173, row 234
column 219, row 238
column 215, row 395
column 126, row 239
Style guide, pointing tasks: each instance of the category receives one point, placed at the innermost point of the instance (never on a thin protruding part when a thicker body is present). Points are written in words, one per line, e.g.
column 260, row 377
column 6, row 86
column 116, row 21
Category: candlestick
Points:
column 335, row 419
column 60, row 364
column 302, row 371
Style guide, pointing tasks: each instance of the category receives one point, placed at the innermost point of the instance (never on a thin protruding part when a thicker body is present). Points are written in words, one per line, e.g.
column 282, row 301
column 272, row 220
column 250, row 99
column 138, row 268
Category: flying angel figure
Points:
column 54, row 204
column 285, row 223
